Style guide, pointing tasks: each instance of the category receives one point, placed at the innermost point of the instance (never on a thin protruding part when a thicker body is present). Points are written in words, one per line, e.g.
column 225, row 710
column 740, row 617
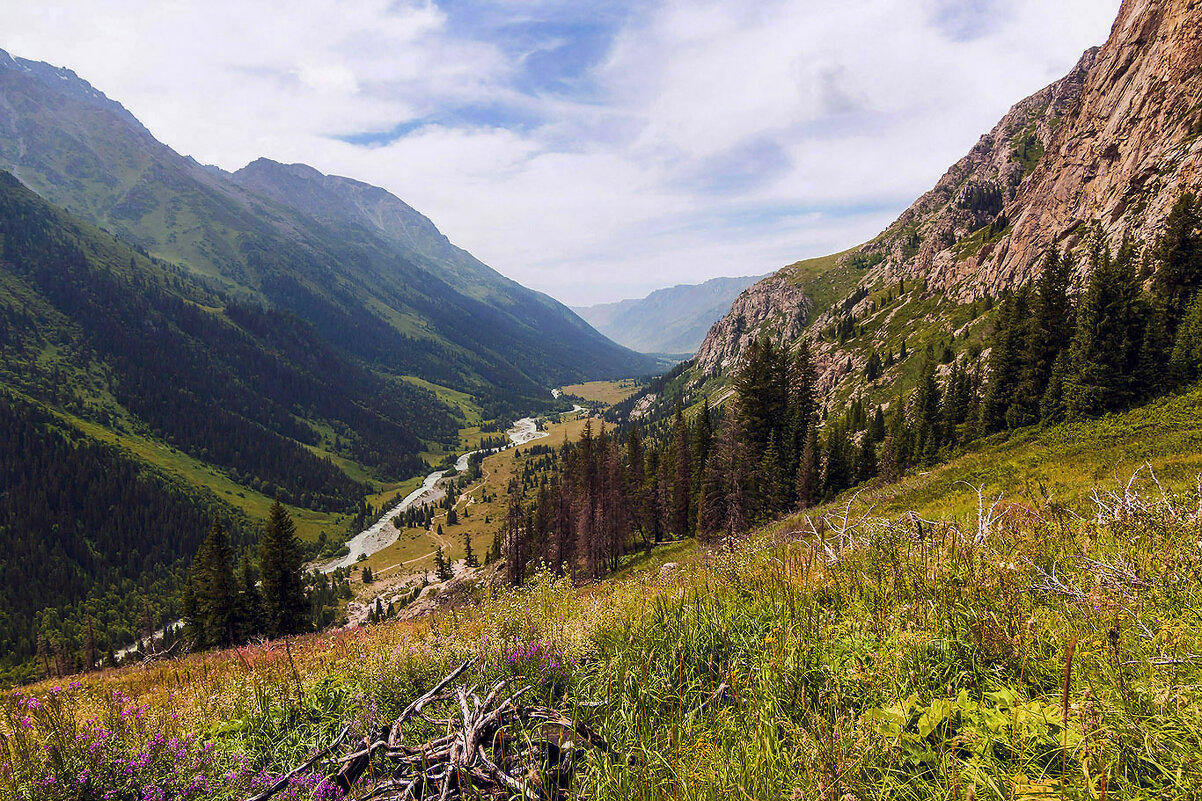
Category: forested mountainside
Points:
column 1097, row 158
column 100, row 342
column 224, row 341
column 673, row 320
column 371, row 276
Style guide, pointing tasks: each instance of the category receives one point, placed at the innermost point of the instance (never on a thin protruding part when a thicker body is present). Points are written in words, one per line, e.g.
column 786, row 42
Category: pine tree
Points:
column 211, row 584
column 1048, row 334
column 809, row 474
column 876, row 429
column 284, row 604
column 762, row 388
column 514, row 535
column 1178, row 254
column 837, row 474
column 1186, row 363
column 872, row 370
column 469, row 556
column 367, row 578
column 865, row 469
column 682, row 478
column 1008, row 343
column 927, row 418
column 250, row 601
column 726, row 489
column 702, row 442
column 802, row 392
column 442, row 567
column 1052, row 407
column 770, row 486
column 1108, row 337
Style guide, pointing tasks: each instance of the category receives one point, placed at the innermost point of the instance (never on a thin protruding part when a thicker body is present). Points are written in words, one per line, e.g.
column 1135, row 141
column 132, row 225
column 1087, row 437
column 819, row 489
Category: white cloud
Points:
column 709, row 137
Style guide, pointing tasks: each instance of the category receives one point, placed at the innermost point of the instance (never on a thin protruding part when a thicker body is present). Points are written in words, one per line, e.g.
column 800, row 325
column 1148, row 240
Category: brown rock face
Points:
column 773, row 304
column 923, row 241
column 1131, row 148
column 1115, row 142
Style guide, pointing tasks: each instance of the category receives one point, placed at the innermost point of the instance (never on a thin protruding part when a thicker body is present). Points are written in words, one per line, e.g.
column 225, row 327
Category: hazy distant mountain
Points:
column 673, row 320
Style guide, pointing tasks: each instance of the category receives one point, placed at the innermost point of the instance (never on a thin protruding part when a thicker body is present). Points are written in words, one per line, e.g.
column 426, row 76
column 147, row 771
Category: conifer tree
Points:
column 514, row 535
column 1186, row 362
column 212, row 588
column 801, row 411
column 682, row 478
column 762, row 387
column 469, row 556
column 442, row 568
column 250, row 601
column 1049, row 333
column 702, row 442
column 1008, row 345
column 926, row 406
column 770, row 485
column 809, row 474
column 284, row 606
column 1108, row 337
column 1178, row 253
column 872, row 370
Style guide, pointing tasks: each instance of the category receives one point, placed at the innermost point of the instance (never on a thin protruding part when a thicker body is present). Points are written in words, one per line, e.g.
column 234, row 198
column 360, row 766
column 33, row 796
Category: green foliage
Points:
column 211, row 594
column 284, row 606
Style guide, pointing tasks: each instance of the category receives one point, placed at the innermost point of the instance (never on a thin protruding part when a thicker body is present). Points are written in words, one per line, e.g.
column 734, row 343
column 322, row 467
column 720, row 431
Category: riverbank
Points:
column 384, row 533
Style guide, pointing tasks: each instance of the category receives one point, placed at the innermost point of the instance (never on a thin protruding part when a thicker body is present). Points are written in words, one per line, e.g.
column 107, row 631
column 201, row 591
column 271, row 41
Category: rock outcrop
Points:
column 773, row 303
column 1131, row 148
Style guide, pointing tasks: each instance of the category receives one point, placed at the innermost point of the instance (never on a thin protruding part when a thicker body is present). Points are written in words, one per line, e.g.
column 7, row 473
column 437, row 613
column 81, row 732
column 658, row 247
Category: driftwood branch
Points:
column 492, row 746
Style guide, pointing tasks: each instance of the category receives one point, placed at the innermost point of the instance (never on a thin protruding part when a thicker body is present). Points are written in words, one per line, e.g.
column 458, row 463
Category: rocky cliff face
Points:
column 1115, row 142
column 773, row 302
column 1131, row 148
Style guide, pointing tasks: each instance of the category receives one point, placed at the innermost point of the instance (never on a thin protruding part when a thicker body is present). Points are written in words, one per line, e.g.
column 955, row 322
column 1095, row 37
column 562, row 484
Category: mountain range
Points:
column 671, row 321
column 220, row 340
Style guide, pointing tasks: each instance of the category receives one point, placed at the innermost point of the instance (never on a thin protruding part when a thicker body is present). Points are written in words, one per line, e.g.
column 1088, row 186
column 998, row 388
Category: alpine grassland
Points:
column 1005, row 647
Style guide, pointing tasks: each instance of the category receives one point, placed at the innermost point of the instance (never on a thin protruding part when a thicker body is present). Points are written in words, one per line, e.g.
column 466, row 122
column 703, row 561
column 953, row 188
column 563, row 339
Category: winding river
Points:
column 383, row 533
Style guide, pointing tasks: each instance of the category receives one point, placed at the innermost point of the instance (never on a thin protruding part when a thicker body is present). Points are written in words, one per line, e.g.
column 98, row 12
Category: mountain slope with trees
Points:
column 370, row 276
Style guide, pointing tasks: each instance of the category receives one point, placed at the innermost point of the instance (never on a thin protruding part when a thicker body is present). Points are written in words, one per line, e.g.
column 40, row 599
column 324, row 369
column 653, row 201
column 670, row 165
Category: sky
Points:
column 594, row 150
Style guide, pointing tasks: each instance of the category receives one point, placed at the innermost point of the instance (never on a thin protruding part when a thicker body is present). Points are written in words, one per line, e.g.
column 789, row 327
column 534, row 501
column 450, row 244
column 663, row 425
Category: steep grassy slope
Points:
column 189, row 396
column 1040, row 656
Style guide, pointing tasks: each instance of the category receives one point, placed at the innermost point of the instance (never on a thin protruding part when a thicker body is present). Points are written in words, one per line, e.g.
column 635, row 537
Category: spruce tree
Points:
column 1178, row 254
column 1008, row 345
column 762, row 388
column 1108, row 338
column 809, row 473
column 682, row 479
column 280, row 562
column 1185, row 366
column 872, row 370
column 250, row 601
column 442, row 567
column 1049, row 333
column 469, row 556
column 212, row 590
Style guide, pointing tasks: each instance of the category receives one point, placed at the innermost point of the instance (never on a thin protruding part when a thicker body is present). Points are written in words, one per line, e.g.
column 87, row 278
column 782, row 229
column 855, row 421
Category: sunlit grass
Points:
column 845, row 655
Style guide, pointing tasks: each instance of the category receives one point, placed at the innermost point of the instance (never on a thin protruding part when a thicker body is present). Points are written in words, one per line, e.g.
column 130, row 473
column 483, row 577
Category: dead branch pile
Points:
column 492, row 746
